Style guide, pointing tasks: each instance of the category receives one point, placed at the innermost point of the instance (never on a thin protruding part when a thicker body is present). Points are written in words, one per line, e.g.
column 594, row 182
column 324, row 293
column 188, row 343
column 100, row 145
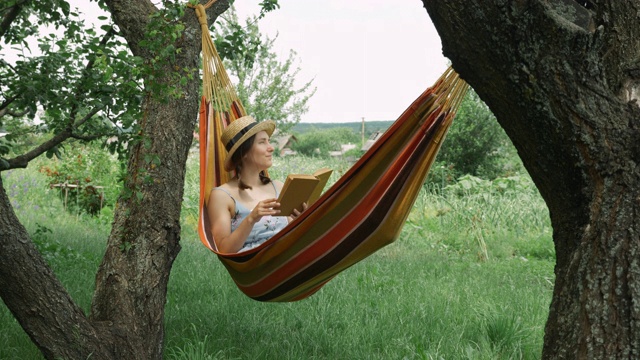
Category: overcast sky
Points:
column 369, row 58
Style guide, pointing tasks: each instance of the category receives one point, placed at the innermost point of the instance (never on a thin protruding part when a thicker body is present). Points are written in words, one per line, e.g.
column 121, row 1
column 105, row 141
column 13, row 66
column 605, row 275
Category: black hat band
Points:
column 239, row 135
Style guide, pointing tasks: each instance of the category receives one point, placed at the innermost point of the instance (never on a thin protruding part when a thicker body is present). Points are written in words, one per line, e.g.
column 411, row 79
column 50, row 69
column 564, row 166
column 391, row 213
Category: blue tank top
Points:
column 264, row 229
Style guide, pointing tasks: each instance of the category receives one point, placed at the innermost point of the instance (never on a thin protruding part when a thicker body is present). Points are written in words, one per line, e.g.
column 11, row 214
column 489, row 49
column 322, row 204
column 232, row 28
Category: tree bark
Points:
column 38, row 300
column 131, row 284
column 127, row 312
column 563, row 79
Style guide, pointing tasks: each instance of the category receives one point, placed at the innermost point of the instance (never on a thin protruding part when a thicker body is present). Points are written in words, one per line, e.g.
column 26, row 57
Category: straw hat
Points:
column 239, row 131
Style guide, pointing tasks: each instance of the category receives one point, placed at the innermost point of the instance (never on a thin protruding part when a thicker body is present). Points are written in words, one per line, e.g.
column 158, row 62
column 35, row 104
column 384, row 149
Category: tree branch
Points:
column 13, row 13
column 16, row 114
column 86, row 117
column 23, row 160
column 7, row 111
column 22, row 2
column 8, row 102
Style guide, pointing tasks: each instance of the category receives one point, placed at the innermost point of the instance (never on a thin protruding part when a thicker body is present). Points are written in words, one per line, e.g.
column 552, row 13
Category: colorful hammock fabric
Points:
column 361, row 213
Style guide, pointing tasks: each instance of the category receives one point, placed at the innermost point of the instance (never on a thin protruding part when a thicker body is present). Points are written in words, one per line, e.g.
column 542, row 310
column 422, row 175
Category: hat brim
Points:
column 268, row 125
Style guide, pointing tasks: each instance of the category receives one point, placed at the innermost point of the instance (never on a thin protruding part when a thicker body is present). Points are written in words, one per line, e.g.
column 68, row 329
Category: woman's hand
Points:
column 297, row 212
column 264, row 208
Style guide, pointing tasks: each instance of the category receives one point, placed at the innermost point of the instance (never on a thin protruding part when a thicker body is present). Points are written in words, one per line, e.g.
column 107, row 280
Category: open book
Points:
column 300, row 188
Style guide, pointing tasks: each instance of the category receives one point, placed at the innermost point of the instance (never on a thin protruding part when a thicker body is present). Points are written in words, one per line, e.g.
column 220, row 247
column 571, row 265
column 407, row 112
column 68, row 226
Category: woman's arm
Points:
column 220, row 210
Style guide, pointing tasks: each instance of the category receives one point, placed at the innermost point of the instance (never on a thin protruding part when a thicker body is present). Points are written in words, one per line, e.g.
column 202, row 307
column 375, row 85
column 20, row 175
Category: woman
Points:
column 243, row 212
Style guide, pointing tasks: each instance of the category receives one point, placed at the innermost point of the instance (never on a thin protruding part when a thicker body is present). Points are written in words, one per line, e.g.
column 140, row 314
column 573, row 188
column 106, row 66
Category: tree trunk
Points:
column 563, row 79
column 38, row 300
column 127, row 311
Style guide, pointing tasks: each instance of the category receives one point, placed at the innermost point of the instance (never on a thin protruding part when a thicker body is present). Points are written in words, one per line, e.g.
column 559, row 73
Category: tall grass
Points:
column 488, row 221
column 436, row 293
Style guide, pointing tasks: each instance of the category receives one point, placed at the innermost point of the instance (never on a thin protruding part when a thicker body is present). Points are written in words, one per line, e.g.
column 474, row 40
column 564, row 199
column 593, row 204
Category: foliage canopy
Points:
column 267, row 86
column 83, row 78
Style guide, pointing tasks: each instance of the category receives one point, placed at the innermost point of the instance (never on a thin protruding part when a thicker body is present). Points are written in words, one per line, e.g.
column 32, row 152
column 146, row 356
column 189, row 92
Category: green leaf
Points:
column 147, row 143
column 269, row 5
column 65, row 7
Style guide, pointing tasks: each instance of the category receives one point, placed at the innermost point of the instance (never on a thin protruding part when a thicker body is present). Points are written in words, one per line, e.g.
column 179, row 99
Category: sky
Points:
column 368, row 58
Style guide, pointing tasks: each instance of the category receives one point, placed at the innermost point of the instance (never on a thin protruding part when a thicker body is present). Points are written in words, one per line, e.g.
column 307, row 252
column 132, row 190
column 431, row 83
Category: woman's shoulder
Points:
column 278, row 184
column 224, row 192
column 229, row 186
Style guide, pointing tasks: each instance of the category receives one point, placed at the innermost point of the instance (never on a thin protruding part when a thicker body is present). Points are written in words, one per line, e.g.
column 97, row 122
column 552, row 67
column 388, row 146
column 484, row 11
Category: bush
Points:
column 353, row 154
column 321, row 142
column 477, row 145
column 86, row 176
column 440, row 175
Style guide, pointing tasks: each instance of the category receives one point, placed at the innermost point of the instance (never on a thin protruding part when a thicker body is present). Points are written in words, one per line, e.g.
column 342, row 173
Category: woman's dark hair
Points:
column 236, row 159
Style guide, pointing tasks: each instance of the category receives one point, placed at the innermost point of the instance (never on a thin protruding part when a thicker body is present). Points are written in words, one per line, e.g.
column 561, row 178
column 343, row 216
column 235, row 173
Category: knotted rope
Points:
column 216, row 85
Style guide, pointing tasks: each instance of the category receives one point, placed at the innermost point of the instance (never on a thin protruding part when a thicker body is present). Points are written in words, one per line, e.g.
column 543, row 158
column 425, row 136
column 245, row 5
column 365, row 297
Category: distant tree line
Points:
column 475, row 145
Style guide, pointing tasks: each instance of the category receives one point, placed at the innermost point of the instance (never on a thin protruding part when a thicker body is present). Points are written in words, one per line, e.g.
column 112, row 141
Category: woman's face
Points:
column 261, row 153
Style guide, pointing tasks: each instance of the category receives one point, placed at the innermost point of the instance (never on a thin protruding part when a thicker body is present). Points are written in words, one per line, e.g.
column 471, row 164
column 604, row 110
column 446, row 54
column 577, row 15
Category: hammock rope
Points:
column 220, row 100
column 361, row 213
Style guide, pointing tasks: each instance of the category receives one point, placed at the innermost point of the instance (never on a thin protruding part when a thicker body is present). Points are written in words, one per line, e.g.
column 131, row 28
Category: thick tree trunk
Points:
column 131, row 284
column 563, row 79
column 38, row 300
column 127, row 311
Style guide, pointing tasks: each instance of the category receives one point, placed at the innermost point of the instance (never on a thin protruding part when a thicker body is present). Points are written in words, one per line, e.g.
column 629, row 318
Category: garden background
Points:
column 470, row 276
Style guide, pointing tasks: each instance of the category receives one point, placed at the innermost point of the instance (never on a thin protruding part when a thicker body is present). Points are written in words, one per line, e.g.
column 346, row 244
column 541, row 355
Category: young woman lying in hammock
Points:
column 244, row 211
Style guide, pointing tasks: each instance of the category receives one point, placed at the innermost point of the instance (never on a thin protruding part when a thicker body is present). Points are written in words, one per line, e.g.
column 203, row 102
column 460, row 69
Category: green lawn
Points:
column 470, row 278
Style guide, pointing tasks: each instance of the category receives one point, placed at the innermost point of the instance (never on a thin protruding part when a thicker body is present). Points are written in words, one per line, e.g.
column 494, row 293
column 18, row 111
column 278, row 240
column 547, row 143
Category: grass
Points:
column 399, row 303
column 470, row 278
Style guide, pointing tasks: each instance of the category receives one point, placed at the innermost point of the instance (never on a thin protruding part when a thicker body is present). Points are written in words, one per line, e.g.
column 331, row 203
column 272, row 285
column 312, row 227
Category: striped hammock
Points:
column 361, row 213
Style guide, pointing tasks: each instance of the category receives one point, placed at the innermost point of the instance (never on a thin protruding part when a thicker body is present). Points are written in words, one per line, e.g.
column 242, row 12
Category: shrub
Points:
column 86, row 176
column 476, row 144
column 320, row 142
